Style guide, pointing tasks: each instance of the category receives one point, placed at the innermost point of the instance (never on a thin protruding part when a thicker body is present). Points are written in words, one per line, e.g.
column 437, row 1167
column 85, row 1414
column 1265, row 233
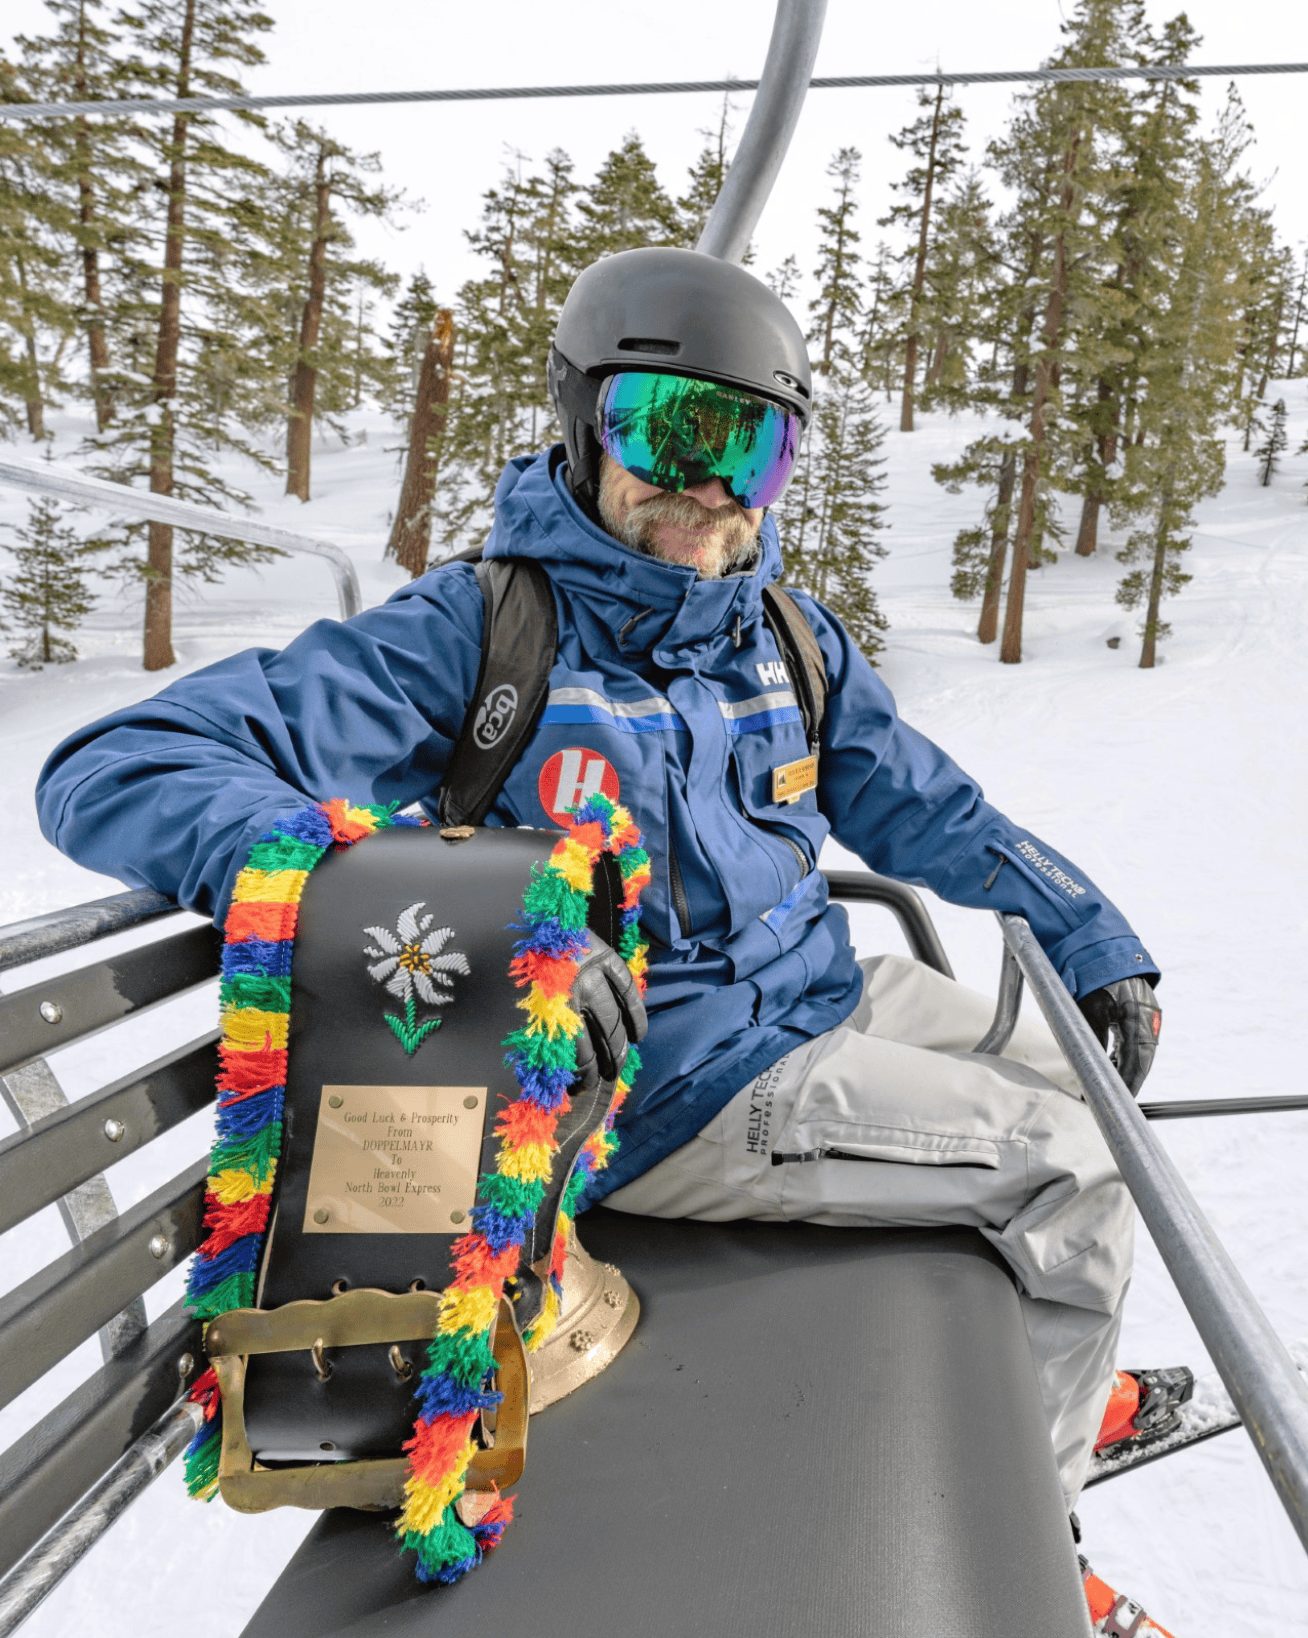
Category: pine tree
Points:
column 836, row 307
column 1144, row 230
column 1267, row 299
column 625, row 207
column 410, row 538
column 36, row 316
column 48, row 595
column 1006, row 324
column 704, row 183
column 209, row 192
column 1068, row 128
column 95, row 168
column 935, row 141
column 406, row 342
column 834, row 522
column 830, row 518
column 368, row 363
column 1273, row 446
column 1188, row 379
column 1298, row 317
column 783, row 281
column 315, row 244
column 958, row 285
column 551, row 264
column 503, row 322
column 881, row 333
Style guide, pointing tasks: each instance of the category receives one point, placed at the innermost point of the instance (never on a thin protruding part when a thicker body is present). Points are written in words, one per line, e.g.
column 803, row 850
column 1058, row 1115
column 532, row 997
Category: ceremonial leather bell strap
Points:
column 419, row 1169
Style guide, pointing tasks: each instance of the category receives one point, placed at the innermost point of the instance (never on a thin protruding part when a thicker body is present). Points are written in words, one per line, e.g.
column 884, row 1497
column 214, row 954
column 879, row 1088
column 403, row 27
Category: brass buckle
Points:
column 352, row 1319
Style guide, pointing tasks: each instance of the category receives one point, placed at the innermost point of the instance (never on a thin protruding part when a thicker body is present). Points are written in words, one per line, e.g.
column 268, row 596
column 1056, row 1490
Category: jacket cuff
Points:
column 1095, row 965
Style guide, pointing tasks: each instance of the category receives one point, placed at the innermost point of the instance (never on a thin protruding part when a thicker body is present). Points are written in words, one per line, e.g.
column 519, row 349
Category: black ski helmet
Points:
column 675, row 310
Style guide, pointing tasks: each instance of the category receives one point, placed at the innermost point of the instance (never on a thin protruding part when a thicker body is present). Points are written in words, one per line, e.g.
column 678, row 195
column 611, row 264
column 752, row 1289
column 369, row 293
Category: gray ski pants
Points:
column 922, row 1131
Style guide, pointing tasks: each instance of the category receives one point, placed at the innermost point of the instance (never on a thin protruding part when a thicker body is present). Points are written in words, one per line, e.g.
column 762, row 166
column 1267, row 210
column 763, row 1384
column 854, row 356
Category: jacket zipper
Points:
column 679, row 901
column 801, row 858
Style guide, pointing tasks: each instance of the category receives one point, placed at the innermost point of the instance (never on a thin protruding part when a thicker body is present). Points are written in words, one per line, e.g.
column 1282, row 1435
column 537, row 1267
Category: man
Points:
column 782, row 1078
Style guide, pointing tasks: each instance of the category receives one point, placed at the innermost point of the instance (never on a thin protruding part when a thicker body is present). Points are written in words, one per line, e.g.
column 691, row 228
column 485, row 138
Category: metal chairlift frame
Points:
column 64, row 1483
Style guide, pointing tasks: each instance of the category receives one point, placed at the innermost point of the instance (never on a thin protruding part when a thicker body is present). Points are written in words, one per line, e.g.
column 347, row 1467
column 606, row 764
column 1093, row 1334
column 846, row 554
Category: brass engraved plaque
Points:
column 395, row 1160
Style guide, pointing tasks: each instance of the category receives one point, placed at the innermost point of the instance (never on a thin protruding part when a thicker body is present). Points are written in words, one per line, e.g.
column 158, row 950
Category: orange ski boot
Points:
column 1113, row 1614
column 1144, row 1406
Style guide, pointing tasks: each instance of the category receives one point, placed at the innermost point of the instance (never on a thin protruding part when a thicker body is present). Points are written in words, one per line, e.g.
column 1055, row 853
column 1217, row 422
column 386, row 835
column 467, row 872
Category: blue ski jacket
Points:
column 668, row 692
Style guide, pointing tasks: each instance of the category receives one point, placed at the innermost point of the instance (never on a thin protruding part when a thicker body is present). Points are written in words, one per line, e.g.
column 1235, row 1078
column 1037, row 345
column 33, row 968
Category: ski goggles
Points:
column 676, row 431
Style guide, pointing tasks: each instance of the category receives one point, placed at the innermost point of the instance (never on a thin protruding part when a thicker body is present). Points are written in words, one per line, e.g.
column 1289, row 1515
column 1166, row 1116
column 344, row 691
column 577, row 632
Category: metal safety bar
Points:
column 56, row 1554
column 1188, row 1108
column 866, row 887
column 45, row 1474
column 1251, row 1359
column 60, row 930
column 45, row 478
column 1000, row 1033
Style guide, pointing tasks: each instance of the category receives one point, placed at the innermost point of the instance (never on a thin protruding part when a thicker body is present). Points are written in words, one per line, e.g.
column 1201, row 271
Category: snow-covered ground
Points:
column 1181, row 790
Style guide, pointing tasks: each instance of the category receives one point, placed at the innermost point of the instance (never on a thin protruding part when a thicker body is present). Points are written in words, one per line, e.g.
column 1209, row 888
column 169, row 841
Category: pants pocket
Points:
column 899, row 1145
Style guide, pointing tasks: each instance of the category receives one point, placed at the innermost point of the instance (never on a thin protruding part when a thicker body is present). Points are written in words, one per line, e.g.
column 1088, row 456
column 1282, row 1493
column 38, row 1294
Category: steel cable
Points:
column 828, row 82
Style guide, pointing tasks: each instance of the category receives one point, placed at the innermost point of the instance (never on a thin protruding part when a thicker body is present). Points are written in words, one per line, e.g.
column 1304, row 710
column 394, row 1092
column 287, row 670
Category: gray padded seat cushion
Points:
column 824, row 1433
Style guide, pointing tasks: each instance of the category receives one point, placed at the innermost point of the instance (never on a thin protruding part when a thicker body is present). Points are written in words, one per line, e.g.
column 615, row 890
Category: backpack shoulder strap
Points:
column 802, row 655
column 519, row 639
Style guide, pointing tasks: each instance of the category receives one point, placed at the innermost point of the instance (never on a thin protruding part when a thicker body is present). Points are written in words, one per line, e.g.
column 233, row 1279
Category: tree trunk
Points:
column 356, row 385
column 1149, row 648
column 159, row 552
column 410, row 540
column 987, row 628
column 1128, row 418
column 1269, row 357
column 33, row 399
column 1010, row 649
column 299, row 426
column 1298, row 316
column 936, row 368
column 97, row 345
column 1087, row 534
column 919, row 270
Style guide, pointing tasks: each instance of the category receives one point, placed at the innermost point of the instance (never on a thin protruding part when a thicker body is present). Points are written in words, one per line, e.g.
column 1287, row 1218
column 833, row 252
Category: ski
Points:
column 1209, row 1411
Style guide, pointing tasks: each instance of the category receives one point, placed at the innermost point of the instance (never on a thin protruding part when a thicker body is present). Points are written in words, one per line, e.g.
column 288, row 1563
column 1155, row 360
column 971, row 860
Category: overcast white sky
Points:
column 447, row 155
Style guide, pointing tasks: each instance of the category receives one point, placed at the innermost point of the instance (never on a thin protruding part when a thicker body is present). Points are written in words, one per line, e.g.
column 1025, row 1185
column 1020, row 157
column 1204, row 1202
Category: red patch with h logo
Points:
column 571, row 777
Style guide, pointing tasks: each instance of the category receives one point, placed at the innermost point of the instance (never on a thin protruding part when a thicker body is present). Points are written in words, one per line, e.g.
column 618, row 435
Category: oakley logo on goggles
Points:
column 676, row 431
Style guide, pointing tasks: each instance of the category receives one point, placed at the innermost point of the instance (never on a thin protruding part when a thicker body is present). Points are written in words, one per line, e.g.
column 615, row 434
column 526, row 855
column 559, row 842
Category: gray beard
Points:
column 636, row 529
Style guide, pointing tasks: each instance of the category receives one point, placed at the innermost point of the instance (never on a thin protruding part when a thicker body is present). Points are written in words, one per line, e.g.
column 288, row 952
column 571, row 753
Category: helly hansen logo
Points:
column 772, row 673
column 1048, row 868
column 572, row 777
column 761, row 1094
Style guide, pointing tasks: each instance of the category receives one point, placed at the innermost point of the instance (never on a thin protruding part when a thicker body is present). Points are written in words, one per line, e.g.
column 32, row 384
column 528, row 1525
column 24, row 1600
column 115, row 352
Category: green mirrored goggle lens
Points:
column 676, row 431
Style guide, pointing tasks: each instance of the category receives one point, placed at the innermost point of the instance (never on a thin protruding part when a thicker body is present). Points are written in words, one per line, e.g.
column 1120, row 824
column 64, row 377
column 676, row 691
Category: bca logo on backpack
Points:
column 496, row 715
column 403, row 1141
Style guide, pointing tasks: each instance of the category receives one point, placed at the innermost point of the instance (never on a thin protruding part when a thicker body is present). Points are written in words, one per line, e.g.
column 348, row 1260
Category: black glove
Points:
column 606, row 996
column 1129, row 1014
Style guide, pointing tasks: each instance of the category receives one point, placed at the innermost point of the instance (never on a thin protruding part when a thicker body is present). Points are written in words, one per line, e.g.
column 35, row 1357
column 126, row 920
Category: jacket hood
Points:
column 649, row 602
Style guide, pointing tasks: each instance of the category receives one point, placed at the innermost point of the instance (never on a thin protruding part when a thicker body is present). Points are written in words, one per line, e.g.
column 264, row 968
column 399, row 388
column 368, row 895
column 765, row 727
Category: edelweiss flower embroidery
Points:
column 408, row 960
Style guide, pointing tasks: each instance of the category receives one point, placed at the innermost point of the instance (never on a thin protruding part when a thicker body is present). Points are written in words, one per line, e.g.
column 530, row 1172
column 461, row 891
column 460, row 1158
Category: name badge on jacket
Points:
column 792, row 779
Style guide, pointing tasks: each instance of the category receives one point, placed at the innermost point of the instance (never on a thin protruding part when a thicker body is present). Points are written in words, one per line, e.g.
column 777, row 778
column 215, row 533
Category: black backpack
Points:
column 519, row 639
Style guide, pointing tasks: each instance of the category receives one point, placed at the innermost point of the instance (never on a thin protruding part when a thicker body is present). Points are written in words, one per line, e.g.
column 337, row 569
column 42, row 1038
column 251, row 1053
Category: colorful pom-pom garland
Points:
column 453, row 1388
